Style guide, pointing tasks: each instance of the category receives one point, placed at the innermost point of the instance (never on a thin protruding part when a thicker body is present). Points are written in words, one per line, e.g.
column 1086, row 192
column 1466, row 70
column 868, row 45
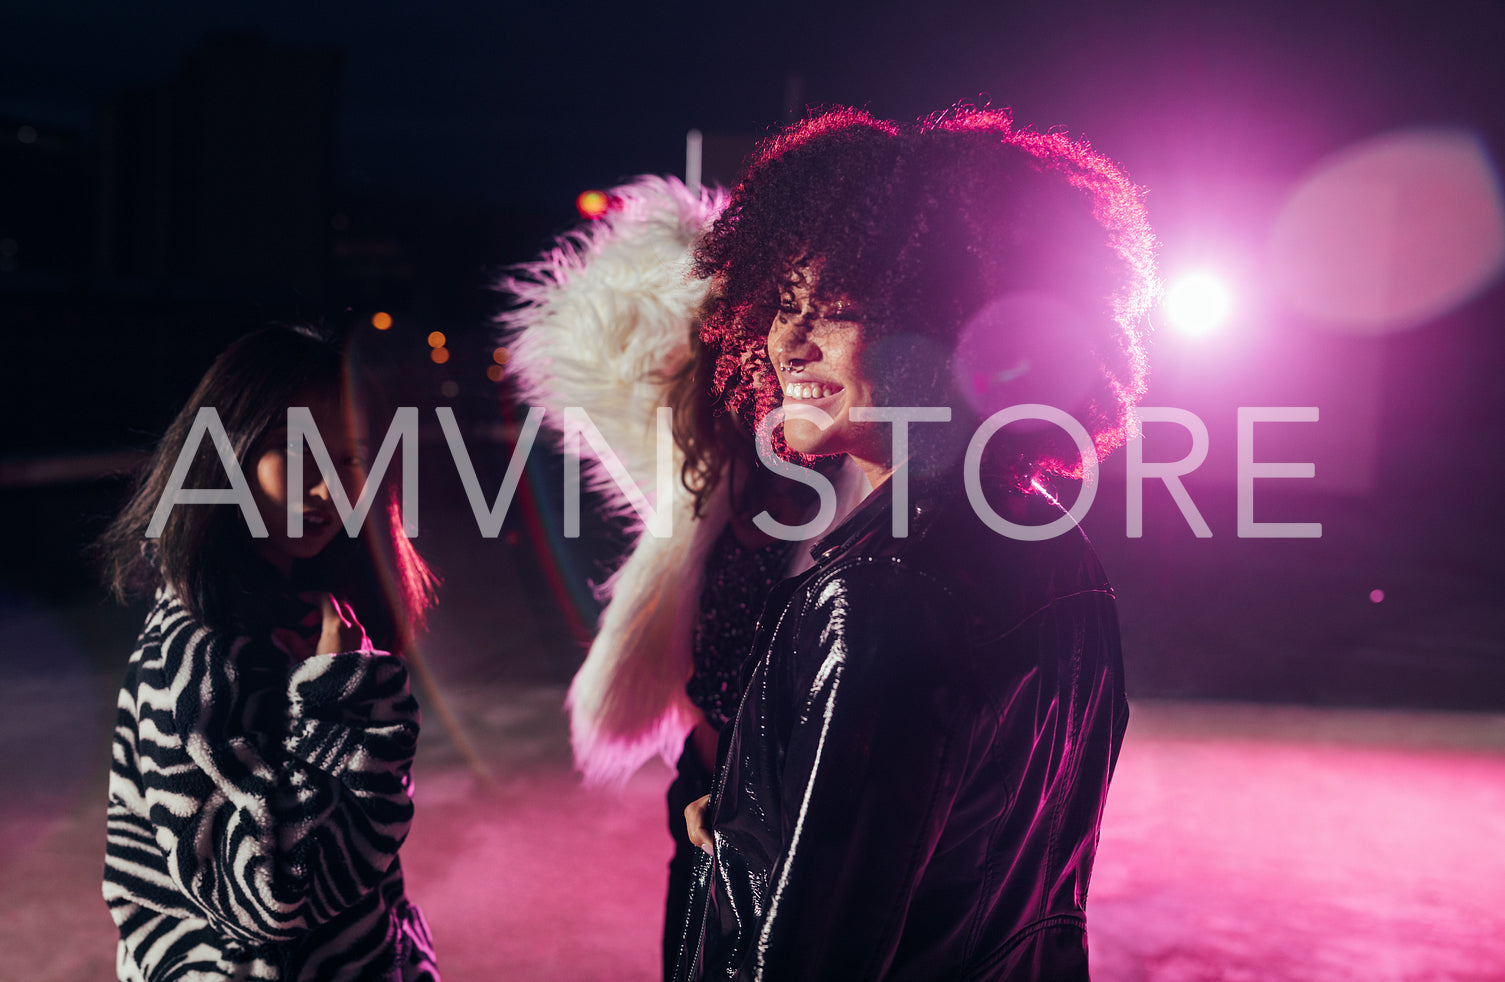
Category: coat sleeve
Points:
column 872, row 769
column 278, row 796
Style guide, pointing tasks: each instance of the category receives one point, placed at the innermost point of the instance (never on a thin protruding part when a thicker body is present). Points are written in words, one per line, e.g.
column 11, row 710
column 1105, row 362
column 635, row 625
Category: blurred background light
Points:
column 1197, row 304
column 381, row 320
column 592, row 204
column 1391, row 232
column 436, row 339
column 439, row 355
column 1005, row 353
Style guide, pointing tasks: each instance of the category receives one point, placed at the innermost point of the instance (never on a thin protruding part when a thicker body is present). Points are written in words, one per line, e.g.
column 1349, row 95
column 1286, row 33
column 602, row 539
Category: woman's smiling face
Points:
column 268, row 479
column 816, row 346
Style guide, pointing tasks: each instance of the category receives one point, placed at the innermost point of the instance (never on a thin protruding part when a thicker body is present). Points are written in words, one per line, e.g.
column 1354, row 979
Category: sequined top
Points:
column 737, row 581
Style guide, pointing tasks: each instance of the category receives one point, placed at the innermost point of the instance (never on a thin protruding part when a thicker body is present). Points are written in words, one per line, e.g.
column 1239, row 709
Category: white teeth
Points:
column 809, row 390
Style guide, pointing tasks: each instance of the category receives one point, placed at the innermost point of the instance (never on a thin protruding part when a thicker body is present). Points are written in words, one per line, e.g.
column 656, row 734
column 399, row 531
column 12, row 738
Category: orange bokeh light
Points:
column 592, row 204
column 381, row 320
column 440, row 354
column 436, row 339
column 500, row 356
column 495, row 372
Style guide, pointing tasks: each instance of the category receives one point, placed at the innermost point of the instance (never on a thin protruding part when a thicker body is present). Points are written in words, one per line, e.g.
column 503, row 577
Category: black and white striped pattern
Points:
column 256, row 810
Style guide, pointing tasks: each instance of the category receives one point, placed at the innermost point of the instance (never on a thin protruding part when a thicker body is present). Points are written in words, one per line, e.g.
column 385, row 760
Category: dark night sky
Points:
column 510, row 101
column 464, row 131
column 1216, row 107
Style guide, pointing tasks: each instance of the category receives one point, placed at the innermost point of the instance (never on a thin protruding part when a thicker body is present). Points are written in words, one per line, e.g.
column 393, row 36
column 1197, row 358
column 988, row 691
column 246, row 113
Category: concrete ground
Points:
column 1265, row 841
column 1240, row 842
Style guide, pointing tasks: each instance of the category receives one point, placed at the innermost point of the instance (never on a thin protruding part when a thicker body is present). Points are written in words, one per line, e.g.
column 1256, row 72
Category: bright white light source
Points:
column 1196, row 304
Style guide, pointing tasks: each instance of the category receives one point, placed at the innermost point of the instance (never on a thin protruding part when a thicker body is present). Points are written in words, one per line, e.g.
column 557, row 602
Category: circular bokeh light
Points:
column 593, row 204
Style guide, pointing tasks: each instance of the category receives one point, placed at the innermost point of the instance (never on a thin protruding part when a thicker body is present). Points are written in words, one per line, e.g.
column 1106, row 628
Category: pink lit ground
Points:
column 1241, row 842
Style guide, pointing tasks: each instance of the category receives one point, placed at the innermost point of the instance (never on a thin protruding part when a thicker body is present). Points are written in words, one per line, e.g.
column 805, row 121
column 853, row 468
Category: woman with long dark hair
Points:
column 259, row 785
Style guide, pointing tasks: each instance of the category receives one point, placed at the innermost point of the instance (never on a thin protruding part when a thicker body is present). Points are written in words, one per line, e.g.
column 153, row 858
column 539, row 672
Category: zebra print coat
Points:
column 256, row 808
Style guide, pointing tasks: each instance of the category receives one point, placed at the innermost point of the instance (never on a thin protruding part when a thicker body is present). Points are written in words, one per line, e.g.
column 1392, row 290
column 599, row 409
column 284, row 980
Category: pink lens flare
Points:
column 1392, row 232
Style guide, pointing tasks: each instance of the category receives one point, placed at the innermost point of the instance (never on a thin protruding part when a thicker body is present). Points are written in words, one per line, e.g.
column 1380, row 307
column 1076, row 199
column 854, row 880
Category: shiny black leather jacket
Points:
column 913, row 784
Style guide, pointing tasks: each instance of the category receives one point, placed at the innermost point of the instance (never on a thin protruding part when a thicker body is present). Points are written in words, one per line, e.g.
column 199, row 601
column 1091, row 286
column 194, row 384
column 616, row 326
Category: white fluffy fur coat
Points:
column 601, row 322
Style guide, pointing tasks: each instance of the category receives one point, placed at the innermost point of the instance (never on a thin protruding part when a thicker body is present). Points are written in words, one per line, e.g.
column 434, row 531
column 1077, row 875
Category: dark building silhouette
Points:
column 226, row 173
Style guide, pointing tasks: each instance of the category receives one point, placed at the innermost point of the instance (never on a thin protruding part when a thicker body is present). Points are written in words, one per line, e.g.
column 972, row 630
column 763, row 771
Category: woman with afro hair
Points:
column 912, row 784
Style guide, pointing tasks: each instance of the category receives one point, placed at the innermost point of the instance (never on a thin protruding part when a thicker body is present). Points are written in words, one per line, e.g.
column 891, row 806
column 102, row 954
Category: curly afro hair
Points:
column 993, row 266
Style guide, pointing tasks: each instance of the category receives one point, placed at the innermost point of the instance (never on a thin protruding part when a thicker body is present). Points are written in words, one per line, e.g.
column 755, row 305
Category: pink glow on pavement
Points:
column 1239, row 842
